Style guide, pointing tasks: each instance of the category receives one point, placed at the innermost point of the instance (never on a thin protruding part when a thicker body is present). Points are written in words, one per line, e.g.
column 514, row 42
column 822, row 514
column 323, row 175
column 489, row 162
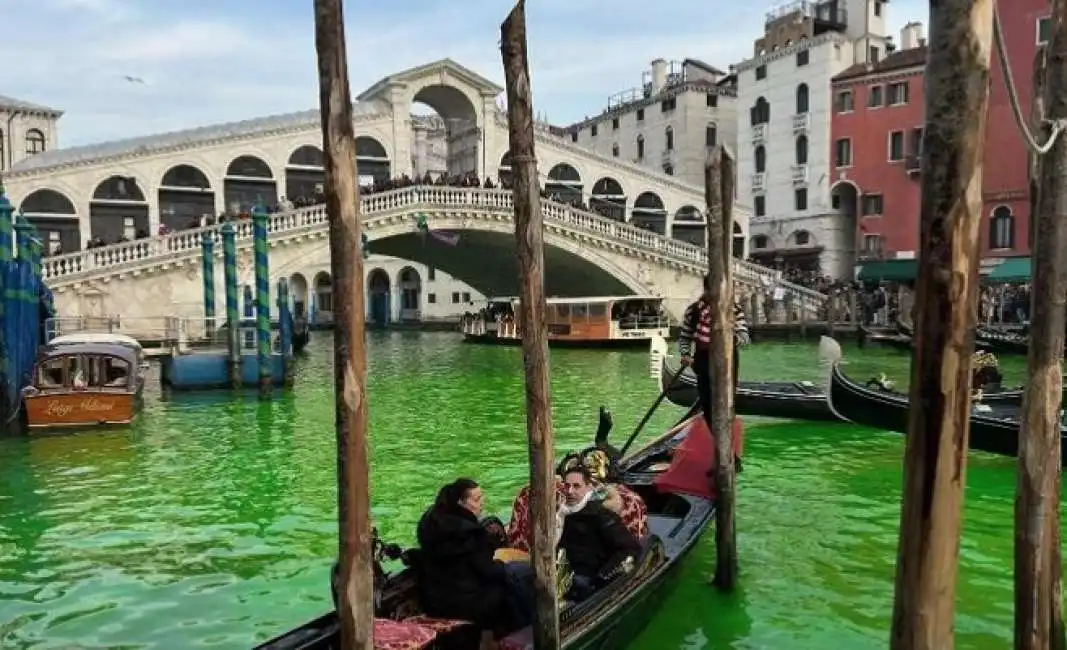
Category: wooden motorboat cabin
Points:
column 84, row 384
column 597, row 321
column 104, row 338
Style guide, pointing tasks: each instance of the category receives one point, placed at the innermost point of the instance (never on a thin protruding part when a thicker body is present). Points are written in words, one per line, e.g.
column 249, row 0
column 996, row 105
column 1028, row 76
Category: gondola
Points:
column 793, row 400
column 666, row 496
column 1001, row 342
column 897, row 341
column 994, row 420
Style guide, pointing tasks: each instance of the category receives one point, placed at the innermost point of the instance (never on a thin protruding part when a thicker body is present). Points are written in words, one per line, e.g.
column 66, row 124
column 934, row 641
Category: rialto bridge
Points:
column 128, row 188
column 468, row 233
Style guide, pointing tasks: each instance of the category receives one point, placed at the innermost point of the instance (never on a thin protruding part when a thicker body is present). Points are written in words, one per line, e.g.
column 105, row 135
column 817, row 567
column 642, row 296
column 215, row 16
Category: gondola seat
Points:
column 401, row 635
column 634, row 514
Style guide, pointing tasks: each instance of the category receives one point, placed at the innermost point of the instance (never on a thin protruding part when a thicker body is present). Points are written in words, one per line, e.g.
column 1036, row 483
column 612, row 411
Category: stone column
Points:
column 401, row 155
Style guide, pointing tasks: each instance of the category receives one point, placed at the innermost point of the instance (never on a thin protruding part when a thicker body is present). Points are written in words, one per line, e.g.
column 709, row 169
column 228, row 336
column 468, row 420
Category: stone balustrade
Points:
column 129, row 256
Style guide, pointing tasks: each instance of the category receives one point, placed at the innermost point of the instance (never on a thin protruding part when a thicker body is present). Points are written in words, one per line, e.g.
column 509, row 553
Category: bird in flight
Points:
column 134, row 80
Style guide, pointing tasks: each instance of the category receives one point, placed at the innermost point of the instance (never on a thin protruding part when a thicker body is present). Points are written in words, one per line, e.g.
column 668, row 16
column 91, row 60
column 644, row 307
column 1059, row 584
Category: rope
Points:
column 1013, row 95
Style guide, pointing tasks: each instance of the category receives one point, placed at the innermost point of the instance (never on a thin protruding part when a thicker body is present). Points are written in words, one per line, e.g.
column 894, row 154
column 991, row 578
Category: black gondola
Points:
column 665, row 493
column 1001, row 342
column 793, row 400
column 994, row 420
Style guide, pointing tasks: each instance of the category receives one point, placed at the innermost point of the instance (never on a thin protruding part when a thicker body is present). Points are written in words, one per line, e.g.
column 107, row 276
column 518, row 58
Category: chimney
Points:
column 659, row 75
column 911, row 36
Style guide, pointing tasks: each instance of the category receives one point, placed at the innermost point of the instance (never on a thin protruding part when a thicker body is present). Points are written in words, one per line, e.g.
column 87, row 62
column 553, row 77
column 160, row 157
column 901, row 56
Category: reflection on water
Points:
column 211, row 521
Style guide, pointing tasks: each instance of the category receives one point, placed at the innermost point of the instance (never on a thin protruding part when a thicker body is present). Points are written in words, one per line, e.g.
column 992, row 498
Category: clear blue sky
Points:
column 212, row 61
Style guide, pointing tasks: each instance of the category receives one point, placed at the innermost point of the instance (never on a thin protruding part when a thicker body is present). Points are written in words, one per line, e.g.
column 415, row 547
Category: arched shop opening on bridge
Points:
column 323, row 297
column 410, row 285
column 118, row 210
column 649, row 213
column 56, row 220
column 185, row 197
column 564, row 184
column 249, row 181
column 800, row 251
column 372, row 161
column 608, row 199
column 689, row 225
column 447, row 137
column 378, row 294
column 305, row 175
column 504, row 172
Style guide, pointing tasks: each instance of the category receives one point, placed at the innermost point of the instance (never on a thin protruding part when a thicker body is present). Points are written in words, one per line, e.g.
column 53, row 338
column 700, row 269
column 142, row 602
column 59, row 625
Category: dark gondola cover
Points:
column 994, row 421
column 674, row 509
column 792, row 400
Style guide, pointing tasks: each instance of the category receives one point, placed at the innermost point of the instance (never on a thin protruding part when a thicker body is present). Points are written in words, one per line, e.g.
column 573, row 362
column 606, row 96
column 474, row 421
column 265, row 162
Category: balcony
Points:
column 800, row 174
column 759, row 181
column 759, row 132
column 801, row 122
column 873, row 248
column 913, row 164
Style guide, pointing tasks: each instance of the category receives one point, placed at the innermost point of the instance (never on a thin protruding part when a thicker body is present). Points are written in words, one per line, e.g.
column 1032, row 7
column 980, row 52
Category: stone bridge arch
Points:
column 458, row 95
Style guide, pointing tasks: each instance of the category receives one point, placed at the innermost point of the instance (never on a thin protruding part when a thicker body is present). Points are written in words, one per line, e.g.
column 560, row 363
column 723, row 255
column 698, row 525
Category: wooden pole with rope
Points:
column 935, row 459
column 1038, row 583
column 718, row 196
column 356, row 589
column 529, row 241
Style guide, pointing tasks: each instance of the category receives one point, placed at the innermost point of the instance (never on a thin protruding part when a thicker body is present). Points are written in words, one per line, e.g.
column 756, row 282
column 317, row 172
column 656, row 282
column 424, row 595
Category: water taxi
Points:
column 606, row 321
column 85, row 379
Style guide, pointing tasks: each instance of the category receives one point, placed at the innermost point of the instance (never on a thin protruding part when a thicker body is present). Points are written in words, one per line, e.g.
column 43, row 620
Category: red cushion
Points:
column 694, row 460
column 401, row 635
column 634, row 514
column 438, row 625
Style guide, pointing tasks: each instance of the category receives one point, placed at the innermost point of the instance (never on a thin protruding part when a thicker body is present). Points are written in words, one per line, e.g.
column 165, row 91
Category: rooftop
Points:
column 20, row 105
column 900, row 60
column 186, row 138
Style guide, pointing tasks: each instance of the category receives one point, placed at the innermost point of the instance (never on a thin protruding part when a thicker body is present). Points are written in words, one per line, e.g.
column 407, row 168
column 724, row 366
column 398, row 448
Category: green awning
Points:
column 889, row 270
column 1012, row 269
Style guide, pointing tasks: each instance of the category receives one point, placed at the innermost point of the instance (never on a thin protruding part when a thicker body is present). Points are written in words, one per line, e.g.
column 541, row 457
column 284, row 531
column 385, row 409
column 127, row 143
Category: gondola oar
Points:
column 651, row 410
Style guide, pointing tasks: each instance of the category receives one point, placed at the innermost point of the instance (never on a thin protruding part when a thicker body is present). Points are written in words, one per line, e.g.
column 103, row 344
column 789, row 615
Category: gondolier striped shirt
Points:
column 696, row 327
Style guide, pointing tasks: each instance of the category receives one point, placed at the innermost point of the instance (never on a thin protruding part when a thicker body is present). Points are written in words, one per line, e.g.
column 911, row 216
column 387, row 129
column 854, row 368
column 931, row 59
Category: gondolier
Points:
column 695, row 338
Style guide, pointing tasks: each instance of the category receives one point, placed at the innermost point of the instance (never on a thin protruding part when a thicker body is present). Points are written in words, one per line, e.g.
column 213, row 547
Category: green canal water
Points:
column 211, row 523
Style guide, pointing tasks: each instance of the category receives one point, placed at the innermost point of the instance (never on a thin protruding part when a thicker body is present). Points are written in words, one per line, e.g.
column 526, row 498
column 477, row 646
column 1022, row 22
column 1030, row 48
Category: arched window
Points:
column 803, row 99
column 615, row 150
column 640, row 147
column 760, row 241
column 1002, row 228
column 34, row 142
column 669, row 136
column 760, row 112
column 802, row 150
column 760, row 157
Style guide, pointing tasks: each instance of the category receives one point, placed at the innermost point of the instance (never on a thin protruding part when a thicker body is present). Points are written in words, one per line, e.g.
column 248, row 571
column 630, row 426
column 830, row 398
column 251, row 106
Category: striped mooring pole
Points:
column 207, row 244
column 233, row 317
column 259, row 246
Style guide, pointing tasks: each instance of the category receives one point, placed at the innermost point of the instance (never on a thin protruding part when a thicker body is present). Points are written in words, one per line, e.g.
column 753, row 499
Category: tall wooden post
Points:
column 957, row 94
column 719, row 197
column 1038, row 601
column 356, row 602
column 529, row 241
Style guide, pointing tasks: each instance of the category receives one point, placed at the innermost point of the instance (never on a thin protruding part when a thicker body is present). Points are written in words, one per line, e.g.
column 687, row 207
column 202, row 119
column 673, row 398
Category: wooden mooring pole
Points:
column 957, row 95
column 719, row 197
column 529, row 241
column 356, row 600
column 1038, row 597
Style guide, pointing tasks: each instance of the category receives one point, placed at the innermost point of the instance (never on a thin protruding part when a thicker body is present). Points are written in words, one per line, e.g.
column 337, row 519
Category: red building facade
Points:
column 884, row 143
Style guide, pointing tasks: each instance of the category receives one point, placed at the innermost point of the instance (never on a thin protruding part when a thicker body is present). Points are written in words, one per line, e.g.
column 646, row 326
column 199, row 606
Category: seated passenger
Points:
column 458, row 576
column 594, row 537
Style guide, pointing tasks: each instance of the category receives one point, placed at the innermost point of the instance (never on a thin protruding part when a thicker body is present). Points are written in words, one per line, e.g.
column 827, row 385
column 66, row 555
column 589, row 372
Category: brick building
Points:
column 877, row 143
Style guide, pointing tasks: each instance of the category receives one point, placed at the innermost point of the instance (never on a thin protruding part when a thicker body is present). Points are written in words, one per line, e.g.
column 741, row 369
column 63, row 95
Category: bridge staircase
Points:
column 183, row 247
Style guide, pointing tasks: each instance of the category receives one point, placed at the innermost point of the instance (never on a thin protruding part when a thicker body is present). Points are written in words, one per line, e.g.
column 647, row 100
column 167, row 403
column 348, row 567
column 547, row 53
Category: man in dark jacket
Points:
column 595, row 538
column 694, row 340
column 458, row 576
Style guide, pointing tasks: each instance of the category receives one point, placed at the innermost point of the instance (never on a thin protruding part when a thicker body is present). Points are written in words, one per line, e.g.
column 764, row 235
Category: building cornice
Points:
column 703, row 87
column 791, row 50
column 880, row 77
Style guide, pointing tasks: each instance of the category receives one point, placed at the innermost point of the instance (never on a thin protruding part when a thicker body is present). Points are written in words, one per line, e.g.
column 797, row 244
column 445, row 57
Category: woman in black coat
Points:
column 458, row 576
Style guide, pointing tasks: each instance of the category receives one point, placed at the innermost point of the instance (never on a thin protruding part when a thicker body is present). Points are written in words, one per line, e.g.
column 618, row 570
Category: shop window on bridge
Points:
column 116, row 202
column 249, row 181
column 608, row 199
column 185, row 197
column 372, row 159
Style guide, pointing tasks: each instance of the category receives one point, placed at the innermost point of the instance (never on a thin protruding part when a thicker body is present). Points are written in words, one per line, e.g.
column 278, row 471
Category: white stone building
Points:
column 25, row 130
column 670, row 124
column 784, row 165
